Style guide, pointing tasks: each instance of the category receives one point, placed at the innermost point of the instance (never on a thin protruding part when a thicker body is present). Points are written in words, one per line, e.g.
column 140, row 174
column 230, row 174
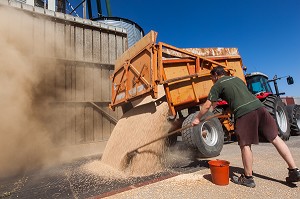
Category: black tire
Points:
column 277, row 109
column 294, row 116
column 208, row 145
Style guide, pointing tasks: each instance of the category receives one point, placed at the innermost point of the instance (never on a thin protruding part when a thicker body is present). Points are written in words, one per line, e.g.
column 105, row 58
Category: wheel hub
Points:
column 209, row 133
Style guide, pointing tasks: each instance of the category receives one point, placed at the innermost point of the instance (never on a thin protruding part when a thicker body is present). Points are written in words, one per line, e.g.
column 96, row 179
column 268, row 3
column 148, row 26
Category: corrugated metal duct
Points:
column 134, row 31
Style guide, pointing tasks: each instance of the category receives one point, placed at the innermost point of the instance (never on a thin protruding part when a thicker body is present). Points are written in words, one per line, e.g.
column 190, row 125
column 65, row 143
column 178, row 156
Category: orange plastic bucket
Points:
column 219, row 170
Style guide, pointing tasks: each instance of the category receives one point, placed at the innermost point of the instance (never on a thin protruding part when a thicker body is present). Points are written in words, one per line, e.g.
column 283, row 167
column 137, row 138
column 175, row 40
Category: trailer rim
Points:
column 209, row 133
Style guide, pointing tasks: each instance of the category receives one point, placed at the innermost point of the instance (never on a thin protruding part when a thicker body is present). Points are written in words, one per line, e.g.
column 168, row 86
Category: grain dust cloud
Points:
column 136, row 127
column 140, row 125
column 25, row 140
column 29, row 129
column 147, row 121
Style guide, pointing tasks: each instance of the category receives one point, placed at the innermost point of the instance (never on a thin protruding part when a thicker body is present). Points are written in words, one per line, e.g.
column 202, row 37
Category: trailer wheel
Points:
column 207, row 137
column 294, row 115
column 277, row 109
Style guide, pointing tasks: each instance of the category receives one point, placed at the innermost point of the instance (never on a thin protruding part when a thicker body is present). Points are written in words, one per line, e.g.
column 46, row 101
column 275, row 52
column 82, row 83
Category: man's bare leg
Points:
column 247, row 158
column 246, row 179
column 284, row 151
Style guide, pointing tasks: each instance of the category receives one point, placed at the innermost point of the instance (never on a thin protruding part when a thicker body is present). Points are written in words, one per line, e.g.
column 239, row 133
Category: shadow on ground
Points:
column 236, row 171
column 68, row 181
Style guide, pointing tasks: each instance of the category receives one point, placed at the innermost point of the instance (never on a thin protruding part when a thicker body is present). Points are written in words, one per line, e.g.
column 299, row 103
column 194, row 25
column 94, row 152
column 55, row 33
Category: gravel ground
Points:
column 269, row 174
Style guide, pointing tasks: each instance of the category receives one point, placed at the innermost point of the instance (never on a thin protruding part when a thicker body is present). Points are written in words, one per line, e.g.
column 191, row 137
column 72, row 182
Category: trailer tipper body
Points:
column 184, row 74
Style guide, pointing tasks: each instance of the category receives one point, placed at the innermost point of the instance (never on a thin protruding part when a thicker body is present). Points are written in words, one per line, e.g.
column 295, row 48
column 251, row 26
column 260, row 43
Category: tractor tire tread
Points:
column 294, row 114
column 271, row 102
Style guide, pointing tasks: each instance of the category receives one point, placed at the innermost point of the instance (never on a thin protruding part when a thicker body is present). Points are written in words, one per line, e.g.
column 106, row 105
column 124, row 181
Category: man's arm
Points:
column 205, row 107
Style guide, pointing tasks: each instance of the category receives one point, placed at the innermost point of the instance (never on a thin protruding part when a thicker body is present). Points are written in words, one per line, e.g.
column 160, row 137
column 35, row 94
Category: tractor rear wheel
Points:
column 207, row 137
column 294, row 115
column 277, row 109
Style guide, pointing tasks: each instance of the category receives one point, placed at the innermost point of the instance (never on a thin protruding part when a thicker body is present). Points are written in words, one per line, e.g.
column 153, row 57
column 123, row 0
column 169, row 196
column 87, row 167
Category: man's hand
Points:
column 202, row 112
column 196, row 121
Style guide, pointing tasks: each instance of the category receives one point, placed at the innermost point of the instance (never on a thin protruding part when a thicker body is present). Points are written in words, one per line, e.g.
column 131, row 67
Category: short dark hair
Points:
column 219, row 70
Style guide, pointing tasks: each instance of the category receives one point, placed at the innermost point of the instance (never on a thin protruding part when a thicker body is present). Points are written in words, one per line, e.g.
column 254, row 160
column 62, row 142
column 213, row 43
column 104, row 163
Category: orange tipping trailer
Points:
column 184, row 73
column 181, row 77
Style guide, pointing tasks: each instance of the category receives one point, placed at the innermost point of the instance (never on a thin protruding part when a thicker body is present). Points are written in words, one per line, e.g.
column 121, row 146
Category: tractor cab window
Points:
column 256, row 87
column 257, row 84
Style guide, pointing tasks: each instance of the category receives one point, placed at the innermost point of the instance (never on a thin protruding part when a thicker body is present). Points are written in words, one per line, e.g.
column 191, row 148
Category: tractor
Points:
column 287, row 116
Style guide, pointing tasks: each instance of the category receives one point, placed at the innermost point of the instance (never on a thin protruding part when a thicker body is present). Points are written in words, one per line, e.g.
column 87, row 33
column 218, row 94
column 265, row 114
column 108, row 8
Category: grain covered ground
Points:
column 269, row 174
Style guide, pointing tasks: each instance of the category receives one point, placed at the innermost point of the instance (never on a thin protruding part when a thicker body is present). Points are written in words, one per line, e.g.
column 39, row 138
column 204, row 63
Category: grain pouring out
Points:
column 137, row 127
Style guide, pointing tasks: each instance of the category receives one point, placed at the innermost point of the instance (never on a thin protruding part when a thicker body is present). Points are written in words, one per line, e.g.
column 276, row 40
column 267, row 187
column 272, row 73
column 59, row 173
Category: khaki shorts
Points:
column 249, row 126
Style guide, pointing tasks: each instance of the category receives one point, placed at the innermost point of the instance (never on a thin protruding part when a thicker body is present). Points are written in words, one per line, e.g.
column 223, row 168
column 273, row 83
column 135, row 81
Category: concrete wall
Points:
column 291, row 100
column 82, row 54
column 297, row 100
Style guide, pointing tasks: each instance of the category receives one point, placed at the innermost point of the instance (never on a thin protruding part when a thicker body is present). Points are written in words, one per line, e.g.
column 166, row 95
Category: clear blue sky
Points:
column 266, row 32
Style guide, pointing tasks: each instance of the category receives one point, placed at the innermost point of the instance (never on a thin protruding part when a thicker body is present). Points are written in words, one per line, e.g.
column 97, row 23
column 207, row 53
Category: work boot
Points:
column 294, row 175
column 242, row 180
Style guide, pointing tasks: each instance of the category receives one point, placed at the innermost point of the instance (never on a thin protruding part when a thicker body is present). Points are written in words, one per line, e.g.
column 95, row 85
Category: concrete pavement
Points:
column 269, row 174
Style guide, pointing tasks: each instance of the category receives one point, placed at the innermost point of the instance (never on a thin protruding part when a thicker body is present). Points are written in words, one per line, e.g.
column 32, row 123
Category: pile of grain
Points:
column 97, row 168
column 137, row 127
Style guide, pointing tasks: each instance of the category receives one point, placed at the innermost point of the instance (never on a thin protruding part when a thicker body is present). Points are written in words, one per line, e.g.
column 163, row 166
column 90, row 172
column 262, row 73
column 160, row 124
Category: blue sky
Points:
column 266, row 32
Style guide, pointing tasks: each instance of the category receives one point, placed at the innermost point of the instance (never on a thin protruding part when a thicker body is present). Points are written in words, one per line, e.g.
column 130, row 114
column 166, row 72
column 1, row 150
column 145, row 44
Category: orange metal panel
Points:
column 185, row 73
column 129, row 54
column 159, row 62
column 181, row 91
column 154, row 71
column 169, row 97
column 187, row 83
column 133, row 76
